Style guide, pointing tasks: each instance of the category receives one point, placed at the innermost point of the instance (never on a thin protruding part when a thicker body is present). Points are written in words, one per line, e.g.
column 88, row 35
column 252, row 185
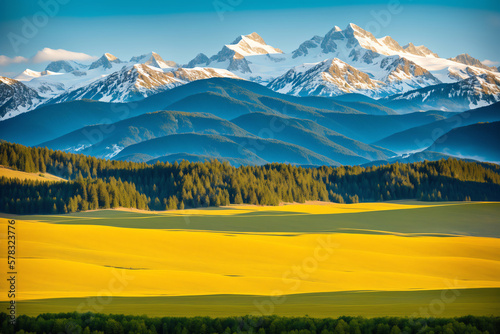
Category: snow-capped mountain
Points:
column 112, row 80
column 471, row 93
column 128, row 84
column 65, row 66
column 464, row 58
column 16, row 98
column 251, row 45
column 153, row 59
column 391, row 68
column 106, row 61
column 352, row 45
column 330, row 77
column 70, row 75
column 233, row 57
column 383, row 76
column 28, row 74
column 136, row 82
column 350, row 60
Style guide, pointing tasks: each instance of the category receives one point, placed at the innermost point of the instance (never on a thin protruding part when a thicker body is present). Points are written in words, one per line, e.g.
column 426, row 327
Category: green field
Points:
column 333, row 304
column 442, row 219
column 457, row 218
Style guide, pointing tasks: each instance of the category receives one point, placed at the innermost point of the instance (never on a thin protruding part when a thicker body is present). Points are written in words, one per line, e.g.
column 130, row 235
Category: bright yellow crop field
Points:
column 16, row 174
column 58, row 260
column 316, row 208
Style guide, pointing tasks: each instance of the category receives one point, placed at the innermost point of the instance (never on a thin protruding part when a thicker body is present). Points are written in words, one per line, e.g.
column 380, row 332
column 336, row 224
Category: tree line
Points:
column 87, row 323
column 98, row 183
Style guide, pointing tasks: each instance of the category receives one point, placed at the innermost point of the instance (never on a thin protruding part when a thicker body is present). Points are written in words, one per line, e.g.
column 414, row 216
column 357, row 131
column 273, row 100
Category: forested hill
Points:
column 98, row 183
column 119, row 323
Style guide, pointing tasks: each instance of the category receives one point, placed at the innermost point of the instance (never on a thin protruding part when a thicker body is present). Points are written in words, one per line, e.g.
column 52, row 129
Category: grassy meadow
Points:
column 370, row 259
column 17, row 174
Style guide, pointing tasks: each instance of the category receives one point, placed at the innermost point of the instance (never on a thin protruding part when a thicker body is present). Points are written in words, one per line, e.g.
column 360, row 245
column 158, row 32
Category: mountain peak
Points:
column 153, row 59
column 389, row 42
column 105, row 61
column 28, row 74
column 330, row 77
column 200, row 59
column 466, row 59
column 251, row 45
column 352, row 26
column 64, row 66
column 256, row 37
column 110, row 57
column 7, row 81
column 337, row 28
column 420, row 50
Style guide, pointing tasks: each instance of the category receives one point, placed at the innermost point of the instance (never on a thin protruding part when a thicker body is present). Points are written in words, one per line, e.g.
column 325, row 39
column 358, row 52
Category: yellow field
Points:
column 316, row 208
column 16, row 174
column 56, row 260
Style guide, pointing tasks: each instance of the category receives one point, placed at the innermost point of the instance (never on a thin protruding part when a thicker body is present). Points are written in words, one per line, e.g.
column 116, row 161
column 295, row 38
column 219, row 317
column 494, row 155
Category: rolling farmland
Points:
column 230, row 260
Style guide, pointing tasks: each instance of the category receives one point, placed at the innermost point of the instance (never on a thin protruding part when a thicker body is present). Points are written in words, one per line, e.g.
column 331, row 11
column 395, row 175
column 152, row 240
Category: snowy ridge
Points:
column 153, row 59
column 251, row 45
column 16, row 98
column 474, row 92
column 330, row 77
column 350, row 60
column 135, row 82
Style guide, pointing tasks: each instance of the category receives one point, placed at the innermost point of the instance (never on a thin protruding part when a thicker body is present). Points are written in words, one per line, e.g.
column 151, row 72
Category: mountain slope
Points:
column 153, row 59
column 106, row 62
column 179, row 157
column 312, row 136
column 237, row 147
column 333, row 77
column 52, row 121
column 216, row 104
column 137, row 82
column 199, row 144
column 64, row 66
column 473, row 92
column 421, row 137
column 464, row 58
column 328, row 78
column 246, row 91
column 370, row 128
column 413, row 157
column 16, row 98
column 476, row 141
column 349, row 60
column 233, row 57
column 140, row 128
column 266, row 99
column 280, row 151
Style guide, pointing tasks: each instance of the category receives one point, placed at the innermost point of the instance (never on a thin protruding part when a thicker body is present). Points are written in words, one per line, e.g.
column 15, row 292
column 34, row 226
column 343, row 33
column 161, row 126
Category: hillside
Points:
column 112, row 183
column 20, row 175
column 110, row 139
column 421, row 137
column 258, row 151
column 476, row 141
column 312, row 136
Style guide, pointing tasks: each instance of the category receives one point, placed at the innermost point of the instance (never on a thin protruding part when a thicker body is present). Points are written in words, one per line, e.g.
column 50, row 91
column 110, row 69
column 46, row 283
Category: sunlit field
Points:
column 341, row 252
column 16, row 174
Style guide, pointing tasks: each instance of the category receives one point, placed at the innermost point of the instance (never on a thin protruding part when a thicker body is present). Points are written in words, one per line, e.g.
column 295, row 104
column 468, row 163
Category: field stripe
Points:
column 436, row 303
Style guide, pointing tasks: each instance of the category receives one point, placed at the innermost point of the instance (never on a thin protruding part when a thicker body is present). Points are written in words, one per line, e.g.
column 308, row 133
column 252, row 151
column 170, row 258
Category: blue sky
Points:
column 178, row 30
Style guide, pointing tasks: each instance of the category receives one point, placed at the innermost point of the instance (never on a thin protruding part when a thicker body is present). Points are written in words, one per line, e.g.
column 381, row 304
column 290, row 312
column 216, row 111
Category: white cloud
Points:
column 47, row 55
column 52, row 55
column 490, row 62
column 4, row 60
